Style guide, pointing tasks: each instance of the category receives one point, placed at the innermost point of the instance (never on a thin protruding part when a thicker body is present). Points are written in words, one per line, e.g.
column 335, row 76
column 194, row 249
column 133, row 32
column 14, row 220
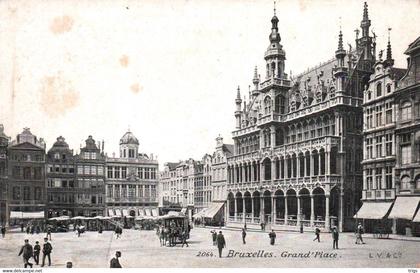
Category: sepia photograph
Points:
column 209, row 134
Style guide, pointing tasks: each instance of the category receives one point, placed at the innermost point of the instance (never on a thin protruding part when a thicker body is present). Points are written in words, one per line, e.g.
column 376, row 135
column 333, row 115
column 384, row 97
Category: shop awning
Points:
column 118, row 213
column 141, row 212
column 417, row 217
column 213, row 209
column 184, row 210
column 155, row 212
column 111, row 213
column 373, row 210
column 405, row 207
column 26, row 215
column 200, row 213
column 125, row 212
column 148, row 211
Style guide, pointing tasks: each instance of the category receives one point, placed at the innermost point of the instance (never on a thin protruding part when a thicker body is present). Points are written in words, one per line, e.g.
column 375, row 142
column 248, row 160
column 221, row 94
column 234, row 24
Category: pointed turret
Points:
column 238, row 112
column 340, row 72
column 364, row 44
column 365, row 24
column 389, row 61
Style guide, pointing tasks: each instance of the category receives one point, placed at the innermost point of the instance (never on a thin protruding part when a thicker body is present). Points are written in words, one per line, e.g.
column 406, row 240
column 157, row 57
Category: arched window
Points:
column 369, row 95
column 267, row 105
column 388, row 88
column 379, row 89
column 280, row 104
column 406, row 111
column 405, row 183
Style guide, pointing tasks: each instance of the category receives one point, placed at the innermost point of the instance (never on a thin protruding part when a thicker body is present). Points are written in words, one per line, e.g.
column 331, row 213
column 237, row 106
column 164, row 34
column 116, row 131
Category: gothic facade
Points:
column 298, row 141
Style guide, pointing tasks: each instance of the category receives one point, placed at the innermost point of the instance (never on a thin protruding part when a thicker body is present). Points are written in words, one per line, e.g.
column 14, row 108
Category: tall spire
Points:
column 389, row 59
column 274, row 35
column 238, row 93
column 365, row 24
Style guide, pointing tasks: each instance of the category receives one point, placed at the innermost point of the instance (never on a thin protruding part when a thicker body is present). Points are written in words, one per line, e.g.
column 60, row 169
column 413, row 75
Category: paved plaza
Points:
column 142, row 249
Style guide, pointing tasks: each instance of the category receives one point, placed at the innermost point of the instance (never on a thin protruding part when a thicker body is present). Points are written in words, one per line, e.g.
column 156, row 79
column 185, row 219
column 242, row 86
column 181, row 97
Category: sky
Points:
column 166, row 70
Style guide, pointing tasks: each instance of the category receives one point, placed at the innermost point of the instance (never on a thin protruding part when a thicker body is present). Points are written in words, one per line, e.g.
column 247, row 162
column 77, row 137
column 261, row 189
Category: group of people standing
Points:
column 28, row 252
column 168, row 235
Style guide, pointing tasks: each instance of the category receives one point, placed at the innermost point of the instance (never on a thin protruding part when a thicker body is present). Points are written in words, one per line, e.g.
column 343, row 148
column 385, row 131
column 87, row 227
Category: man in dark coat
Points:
column 243, row 235
column 27, row 252
column 214, row 236
column 46, row 252
column 317, row 232
column 221, row 243
column 3, row 231
column 272, row 236
column 335, row 237
column 115, row 262
column 37, row 250
column 184, row 237
column 21, row 227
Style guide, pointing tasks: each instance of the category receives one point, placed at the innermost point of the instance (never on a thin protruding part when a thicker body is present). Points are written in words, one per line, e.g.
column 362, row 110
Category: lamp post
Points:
column 185, row 202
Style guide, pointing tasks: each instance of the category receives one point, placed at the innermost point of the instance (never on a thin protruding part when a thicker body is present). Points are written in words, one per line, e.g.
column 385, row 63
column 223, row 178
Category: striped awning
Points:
column 213, row 209
column 111, row 213
column 125, row 212
column 405, row 207
column 118, row 212
column 26, row 215
column 148, row 211
column 141, row 212
column 373, row 210
column 155, row 212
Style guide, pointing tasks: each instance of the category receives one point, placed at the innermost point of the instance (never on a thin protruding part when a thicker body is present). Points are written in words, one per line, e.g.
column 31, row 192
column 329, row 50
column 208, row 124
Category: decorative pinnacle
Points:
column 365, row 12
column 274, row 8
column 340, row 40
column 255, row 79
column 238, row 94
column 388, row 48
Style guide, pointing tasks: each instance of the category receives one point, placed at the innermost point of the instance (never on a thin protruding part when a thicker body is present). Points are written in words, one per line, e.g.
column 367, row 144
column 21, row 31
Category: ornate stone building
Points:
column 131, row 181
column 202, row 185
column 379, row 158
column 298, row 141
column 26, row 177
column 90, row 180
column 4, row 142
column 61, row 180
column 407, row 135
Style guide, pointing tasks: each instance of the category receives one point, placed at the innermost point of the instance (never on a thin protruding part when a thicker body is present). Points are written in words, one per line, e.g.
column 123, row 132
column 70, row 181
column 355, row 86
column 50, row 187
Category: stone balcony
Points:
column 275, row 82
column 369, row 195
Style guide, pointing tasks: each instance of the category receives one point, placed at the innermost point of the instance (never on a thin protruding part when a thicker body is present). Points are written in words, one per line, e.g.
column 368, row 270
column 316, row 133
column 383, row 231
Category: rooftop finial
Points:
column 274, row 8
column 365, row 12
column 389, row 59
column 238, row 94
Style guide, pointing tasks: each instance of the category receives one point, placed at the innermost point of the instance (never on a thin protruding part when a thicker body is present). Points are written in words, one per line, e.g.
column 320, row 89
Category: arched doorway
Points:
column 248, row 206
column 267, row 206
column 231, row 203
column 319, row 205
column 239, row 206
column 279, row 197
column 305, row 206
column 291, row 205
column 257, row 205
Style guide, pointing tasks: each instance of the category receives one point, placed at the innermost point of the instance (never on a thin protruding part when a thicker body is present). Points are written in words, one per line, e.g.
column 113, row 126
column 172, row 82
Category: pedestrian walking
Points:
column 49, row 233
column 46, row 252
column 184, row 238
column 335, row 237
column 37, row 250
column 245, row 226
column 317, row 233
column 27, row 252
column 21, row 227
column 214, row 237
column 3, row 231
column 221, row 243
column 243, row 236
column 272, row 236
column 27, row 229
column 359, row 232
column 115, row 262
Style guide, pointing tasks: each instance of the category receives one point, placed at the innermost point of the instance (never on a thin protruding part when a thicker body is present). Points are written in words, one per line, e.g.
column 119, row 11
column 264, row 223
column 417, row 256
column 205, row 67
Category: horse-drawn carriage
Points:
column 175, row 226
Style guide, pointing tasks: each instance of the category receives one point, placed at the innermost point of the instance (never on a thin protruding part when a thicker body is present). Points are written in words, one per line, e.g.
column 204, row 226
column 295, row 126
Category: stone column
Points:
column 312, row 163
column 286, row 167
column 298, row 210
column 297, row 166
column 274, row 210
column 236, row 209
column 319, row 164
column 327, row 163
column 273, row 170
column 262, row 208
column 280, row 167
column 227, row 211
column 252, row 209
column 285, row 210
column 327, row 212
column 262, row 170
column 252, row 172
column 312, row 210
column 341, row 212
column 243, row 209
column 273, row 136
column 304, row 165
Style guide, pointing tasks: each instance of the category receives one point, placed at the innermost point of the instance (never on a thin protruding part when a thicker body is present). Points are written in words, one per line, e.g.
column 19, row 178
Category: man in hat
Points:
column 37, row 250
column 243, row 236
column 335, row 237
column 46, row 252
column 115, row 262
column 272, row 236
column 221, row 243
column 27, row 252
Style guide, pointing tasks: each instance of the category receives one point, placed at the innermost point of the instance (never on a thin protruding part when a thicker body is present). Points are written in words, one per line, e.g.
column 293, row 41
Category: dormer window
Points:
column 379, row 89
